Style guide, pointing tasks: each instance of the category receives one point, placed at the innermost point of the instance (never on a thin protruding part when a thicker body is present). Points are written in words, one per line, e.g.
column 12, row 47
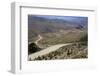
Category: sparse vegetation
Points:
column 62, row 37
column 58, row 31
column 76, row 50
column 32, row 48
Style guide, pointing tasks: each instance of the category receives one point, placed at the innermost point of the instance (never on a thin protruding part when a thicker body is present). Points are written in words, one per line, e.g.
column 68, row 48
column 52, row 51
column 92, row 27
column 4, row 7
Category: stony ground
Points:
column 75, row 51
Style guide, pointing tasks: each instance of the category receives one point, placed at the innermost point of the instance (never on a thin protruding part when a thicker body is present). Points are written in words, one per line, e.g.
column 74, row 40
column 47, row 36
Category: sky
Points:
column 61, row 17
column 75, row 19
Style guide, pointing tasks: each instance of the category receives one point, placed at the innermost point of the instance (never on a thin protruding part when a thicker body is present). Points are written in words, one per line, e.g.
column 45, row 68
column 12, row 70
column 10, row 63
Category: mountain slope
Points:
column 44, row 24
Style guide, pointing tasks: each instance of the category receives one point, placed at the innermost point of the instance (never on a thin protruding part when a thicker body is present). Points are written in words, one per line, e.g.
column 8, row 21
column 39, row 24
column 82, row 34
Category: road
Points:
column 39, row 38
column 47, row 50
column 37, row 41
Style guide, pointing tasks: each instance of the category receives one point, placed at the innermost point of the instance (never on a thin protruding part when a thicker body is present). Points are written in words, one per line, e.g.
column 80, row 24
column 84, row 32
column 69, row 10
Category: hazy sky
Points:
column 75, row 19
column 61, row 17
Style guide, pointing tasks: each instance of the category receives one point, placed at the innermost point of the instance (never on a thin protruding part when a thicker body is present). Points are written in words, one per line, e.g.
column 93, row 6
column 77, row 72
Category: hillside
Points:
column 48, row 35
column 41, row 25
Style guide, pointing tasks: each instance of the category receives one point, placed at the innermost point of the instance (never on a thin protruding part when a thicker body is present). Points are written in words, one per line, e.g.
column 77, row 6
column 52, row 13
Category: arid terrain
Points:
column 54, row 37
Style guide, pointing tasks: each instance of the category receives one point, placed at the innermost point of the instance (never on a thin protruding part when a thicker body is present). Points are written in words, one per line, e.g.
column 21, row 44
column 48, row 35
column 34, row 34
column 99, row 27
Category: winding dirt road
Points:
column 39, row 38
column 47, row 50
column 37, row 41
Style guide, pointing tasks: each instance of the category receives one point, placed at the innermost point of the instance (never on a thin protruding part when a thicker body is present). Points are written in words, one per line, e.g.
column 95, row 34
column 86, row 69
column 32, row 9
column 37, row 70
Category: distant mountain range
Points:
column 71, row 19
column 44, row 24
